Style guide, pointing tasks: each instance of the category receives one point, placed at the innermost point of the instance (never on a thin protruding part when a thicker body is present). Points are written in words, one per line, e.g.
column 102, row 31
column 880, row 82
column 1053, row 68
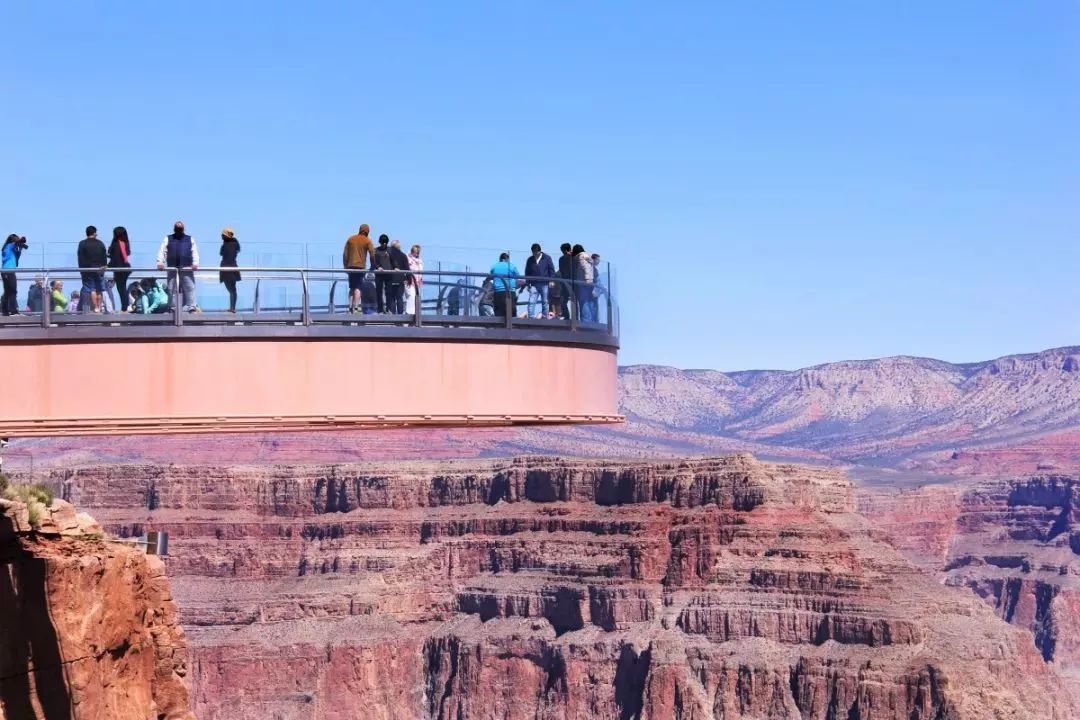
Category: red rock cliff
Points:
column 542, row 588
column 88, row 629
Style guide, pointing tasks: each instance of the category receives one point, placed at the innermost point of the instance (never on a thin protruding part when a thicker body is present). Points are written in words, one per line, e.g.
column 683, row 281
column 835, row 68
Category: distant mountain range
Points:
column 892, row 412
column 1015, row 413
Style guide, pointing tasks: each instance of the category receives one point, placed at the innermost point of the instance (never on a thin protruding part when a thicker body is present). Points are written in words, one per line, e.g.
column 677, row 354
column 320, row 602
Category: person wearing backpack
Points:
column 384, row 265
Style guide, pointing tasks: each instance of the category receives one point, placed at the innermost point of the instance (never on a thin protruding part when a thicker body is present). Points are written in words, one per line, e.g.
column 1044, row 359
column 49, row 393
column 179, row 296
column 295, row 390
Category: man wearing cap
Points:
column 358, row 252
column 180, row 251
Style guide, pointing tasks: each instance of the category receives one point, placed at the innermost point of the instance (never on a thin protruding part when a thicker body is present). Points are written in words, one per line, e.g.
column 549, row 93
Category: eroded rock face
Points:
column 1015, row 543
column 88, row 628
column 542, row 588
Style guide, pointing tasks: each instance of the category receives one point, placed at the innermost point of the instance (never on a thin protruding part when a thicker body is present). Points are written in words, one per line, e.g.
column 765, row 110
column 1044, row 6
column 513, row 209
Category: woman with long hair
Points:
column 414, row 282
column 120, row 257
column 583, row 280
column 230, row 248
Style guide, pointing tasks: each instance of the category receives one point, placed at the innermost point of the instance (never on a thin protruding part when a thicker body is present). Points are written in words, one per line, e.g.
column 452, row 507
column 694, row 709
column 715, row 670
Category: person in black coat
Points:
column 230, row 248
column 93, row 259
column 120, row 257
column 400, row 262
column 566, row 272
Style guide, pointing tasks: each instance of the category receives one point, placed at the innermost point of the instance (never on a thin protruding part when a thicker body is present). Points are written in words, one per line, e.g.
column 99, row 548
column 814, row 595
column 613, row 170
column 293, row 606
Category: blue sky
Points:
column 780, row 184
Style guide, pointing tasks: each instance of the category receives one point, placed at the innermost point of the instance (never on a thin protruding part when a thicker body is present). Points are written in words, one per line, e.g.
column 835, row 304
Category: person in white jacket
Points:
column 415, row 283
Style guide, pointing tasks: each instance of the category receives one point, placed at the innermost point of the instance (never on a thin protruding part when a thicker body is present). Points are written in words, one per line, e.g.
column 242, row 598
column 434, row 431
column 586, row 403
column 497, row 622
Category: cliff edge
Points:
column 88, row 627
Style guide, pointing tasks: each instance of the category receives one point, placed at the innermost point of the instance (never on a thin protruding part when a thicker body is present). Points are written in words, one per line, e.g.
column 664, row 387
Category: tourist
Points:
column 93, row 258
column 400, row 261
column 9, row 260
column 230, row 248
column 120, row 257
column 583, row 277
column 75, row 303
column 566, row 273
column 486, row 299
column 414, row 283
column 369, row 302
column 151, row 298
column 35, row 297
column 356, row 256
column 179, row 251
column 538, row 269
column 56, row 293
column 598, row 286
column 383, row 265
column 505, row 283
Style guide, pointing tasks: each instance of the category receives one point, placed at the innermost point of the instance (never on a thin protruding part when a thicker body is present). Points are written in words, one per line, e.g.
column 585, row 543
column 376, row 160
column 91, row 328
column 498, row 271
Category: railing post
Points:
column 418, row 305
column 607, row 292
column 305, row 312
column 46, row 302
column 178, row 311
column 507, row 305
column 574, row 306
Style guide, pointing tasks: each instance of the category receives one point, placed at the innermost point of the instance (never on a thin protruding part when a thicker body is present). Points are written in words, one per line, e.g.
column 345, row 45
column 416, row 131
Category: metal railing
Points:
column 311, row 296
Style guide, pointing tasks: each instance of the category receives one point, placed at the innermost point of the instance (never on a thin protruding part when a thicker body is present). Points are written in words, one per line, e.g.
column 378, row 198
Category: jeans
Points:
column 584, row 302
column 187, row 289
column 395, row 298
column 9, row 301
column 541, row 292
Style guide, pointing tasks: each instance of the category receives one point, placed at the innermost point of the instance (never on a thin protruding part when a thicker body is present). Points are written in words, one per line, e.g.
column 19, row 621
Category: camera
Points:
column 21, row 242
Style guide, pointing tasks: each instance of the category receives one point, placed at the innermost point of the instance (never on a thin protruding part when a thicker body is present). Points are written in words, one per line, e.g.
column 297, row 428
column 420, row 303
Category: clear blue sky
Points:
column 780, row 183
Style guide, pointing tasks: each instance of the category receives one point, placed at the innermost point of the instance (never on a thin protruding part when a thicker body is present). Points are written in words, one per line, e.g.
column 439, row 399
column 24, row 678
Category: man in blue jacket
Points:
column 9, row 260
column 504, row 277
column 538, row 270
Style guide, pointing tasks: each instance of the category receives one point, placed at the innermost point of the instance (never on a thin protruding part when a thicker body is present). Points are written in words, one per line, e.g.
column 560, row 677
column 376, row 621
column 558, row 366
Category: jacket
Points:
column 230, row 249
column 178, row 251
column 59, row 301
column 539, row 268
column 119, row 253
column 400, row 261
column 583, row 270
column 9, row 256
column 381, row 258
column 34, row 298
column 566, row 266
column 502, row 273
column 358, row 252
column 92, row 254
column 152, row 300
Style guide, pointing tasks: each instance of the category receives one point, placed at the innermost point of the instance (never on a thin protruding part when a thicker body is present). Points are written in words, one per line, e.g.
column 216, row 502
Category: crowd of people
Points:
column 382, row 279
column 98, row 293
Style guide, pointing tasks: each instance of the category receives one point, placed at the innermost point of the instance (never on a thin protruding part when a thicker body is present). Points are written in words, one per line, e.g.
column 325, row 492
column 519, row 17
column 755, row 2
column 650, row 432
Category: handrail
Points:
column 474, row 290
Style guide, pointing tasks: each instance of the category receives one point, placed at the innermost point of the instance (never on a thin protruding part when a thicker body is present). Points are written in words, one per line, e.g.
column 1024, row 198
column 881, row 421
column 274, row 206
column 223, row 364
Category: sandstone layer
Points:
column 88, row 628
column 543, row 588
column 1013, row 542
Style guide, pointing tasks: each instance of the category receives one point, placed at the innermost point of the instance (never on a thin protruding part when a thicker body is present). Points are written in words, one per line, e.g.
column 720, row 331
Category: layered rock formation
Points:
column 541, row 588
column 1013, row 542
column 88, row 628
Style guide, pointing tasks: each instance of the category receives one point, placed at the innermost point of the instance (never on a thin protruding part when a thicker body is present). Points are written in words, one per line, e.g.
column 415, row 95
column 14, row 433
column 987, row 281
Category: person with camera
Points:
column 9, row 260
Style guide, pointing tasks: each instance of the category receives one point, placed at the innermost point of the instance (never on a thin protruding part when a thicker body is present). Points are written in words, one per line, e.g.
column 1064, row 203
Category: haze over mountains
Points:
column 1018, row 413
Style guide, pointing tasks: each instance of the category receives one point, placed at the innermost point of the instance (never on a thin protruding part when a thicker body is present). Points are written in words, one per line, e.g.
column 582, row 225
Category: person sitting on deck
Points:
column 151, row 298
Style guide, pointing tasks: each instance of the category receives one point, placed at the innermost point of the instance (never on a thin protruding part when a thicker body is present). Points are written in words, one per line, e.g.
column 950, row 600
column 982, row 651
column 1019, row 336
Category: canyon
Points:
column 88, row 629
column 556, row 588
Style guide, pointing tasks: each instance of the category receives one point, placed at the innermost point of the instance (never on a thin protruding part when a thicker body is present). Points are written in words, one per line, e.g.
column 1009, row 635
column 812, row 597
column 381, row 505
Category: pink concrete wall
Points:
column 155, row 385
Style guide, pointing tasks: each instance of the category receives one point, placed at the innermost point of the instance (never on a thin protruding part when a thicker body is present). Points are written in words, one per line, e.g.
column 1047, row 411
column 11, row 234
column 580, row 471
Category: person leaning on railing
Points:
column 356, row 256
column 504, row 279
column 180, row 251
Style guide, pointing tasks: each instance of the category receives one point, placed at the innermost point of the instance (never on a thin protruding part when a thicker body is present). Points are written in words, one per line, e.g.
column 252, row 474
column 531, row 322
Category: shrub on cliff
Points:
column 35, row 497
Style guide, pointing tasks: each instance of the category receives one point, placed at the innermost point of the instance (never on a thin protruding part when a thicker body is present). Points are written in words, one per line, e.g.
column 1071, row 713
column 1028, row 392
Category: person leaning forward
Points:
column 356, row 256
